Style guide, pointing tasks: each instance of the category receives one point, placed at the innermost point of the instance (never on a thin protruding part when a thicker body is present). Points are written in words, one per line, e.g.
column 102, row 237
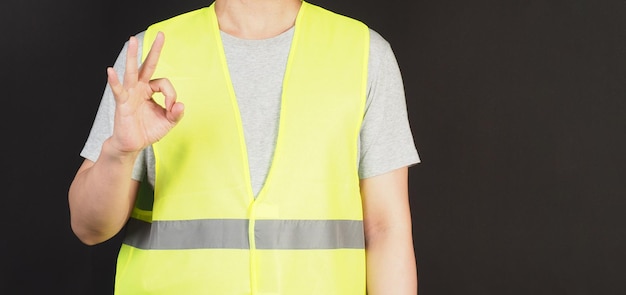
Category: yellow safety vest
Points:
column 202, row 230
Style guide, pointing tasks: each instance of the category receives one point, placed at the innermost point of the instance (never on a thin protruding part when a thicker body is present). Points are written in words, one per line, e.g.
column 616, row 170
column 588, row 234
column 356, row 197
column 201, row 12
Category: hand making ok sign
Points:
column 139, row 120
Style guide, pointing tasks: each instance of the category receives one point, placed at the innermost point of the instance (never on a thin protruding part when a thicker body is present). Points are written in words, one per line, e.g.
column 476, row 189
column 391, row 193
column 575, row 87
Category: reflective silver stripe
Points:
column 233, row 234
column 309, row 234
column 188, row 234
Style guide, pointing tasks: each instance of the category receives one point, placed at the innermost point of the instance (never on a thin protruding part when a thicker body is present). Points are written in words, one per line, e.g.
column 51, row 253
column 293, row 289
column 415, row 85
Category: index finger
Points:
column 149, row 65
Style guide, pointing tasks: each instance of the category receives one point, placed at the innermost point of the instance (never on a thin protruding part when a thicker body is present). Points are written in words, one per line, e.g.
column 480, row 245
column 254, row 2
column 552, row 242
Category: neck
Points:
column 256, row 19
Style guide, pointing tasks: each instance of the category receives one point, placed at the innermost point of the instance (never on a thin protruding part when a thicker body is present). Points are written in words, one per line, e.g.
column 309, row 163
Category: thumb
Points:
column 176, row 112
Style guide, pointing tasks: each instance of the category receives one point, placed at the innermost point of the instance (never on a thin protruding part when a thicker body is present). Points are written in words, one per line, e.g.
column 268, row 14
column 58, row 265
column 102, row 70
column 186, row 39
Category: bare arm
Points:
column 101, row 197
column 102, row 194
column 391, row 265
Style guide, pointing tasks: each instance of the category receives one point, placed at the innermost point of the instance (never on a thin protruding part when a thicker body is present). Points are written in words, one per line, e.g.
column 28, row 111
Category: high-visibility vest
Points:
column 203, row 231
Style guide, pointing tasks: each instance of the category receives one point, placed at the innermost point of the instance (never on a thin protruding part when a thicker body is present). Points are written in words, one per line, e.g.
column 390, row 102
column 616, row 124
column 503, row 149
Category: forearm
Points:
column 102, row 195
column 391, row 265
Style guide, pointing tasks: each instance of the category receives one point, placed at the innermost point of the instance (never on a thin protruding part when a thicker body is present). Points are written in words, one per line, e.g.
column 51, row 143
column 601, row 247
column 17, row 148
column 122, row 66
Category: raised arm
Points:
column 391, row 265
column 102, row 194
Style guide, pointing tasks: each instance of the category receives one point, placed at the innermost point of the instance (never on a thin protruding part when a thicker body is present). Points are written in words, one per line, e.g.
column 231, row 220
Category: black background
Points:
column 517, row 107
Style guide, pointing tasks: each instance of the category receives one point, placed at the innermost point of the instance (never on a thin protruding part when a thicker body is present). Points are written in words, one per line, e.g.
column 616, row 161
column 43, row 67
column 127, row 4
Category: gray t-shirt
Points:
column 256, row 68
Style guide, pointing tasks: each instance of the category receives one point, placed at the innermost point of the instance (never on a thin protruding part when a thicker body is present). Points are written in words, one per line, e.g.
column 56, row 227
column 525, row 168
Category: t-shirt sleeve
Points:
column 386, row 140
column 102, row 127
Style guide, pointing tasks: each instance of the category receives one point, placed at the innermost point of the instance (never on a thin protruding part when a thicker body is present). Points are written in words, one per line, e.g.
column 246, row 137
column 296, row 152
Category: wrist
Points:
column 109, row 151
